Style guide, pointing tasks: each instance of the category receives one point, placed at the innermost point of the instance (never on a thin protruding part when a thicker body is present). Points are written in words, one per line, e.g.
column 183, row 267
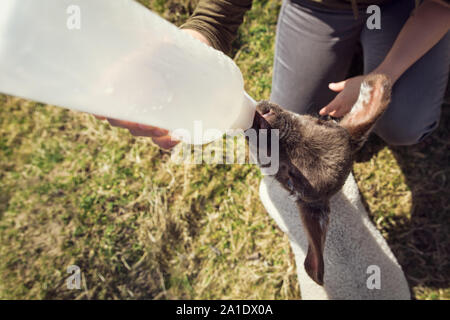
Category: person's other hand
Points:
column 344, row 101
column 159, row 136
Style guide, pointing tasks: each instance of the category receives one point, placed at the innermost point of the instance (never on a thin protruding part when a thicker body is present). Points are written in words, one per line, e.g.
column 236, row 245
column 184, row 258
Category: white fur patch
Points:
column 363, row 98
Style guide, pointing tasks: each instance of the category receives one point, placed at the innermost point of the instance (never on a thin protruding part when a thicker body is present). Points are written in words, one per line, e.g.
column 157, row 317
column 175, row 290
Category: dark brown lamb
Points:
column 316, row 156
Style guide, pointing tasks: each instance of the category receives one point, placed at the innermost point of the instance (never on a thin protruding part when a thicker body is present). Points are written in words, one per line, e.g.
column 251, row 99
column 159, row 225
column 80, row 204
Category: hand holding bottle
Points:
column 159, row 136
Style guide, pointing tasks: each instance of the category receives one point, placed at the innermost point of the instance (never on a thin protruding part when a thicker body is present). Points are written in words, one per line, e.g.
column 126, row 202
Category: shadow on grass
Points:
column 421, row 243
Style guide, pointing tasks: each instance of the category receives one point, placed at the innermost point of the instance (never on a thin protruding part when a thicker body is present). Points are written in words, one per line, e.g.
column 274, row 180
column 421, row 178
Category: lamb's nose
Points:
column 260, row 122
column 267, row 113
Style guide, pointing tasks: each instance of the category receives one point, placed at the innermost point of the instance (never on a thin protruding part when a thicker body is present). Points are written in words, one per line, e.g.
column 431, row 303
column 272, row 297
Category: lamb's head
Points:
column 316, row 157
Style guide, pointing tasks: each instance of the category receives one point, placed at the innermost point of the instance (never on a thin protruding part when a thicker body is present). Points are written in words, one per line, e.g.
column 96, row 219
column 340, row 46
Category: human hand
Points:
column 159, row 136
column 197, row 35
column 344, row 101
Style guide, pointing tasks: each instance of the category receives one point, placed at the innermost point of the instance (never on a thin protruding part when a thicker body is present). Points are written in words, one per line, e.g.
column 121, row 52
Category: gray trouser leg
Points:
column 315, row 46
column 418, row 94
column 312, row 48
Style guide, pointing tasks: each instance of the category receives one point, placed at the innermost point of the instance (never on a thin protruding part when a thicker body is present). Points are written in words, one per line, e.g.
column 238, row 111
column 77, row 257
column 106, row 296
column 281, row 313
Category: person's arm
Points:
column 429, row 24
column 218, row 21
column 421, row 32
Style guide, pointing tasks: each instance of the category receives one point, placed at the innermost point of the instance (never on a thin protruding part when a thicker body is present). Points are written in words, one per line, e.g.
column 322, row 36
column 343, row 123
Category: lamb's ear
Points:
column 315, row 221
column 374, row 97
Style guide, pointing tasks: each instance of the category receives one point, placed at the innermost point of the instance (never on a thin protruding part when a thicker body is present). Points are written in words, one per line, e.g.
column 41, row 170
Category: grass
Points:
column 74, row 190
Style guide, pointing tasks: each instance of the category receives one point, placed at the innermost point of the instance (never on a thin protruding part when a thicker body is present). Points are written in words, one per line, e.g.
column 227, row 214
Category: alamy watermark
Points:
column 374, row 20
column 73, row 282
column 374, row 280
column 74, row 17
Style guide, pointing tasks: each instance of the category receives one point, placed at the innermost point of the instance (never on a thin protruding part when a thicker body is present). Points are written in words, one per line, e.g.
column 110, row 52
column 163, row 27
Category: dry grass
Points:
column 407, row 190
column 74, row 190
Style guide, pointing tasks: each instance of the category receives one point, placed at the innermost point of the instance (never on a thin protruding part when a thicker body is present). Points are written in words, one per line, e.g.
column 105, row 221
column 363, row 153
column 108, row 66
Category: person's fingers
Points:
column 330, row 108
column 140, row 129
column 147, row 131
column 159, row 136
column 154, row 131
column 337, row 86
column 122, row 123
column 165, row 142
column 337, row 110
column 99, row 117
column 341, row 111
column 140, row 133
column 337, row 113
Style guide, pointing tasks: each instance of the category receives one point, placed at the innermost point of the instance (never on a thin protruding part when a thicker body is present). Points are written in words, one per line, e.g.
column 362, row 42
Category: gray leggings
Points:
column 316, row 46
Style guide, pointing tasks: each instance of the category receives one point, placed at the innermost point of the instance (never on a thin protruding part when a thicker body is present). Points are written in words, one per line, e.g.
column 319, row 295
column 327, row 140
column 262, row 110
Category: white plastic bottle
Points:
column 118, row 59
